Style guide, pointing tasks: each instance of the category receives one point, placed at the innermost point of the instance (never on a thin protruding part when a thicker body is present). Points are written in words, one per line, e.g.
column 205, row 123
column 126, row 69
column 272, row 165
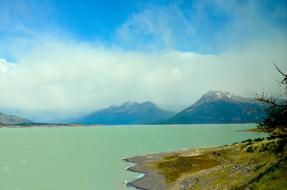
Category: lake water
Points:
column 90, row 158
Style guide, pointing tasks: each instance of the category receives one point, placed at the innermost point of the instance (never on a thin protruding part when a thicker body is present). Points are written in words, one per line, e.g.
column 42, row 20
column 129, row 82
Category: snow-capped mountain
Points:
column 221, row 107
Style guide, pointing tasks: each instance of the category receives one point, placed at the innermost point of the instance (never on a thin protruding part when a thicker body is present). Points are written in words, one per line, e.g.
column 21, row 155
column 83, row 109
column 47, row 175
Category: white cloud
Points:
column 54, row 78
column 206, row 26
column 5, row 66
column 23, row 23
column 62, row 79
column 155, row 27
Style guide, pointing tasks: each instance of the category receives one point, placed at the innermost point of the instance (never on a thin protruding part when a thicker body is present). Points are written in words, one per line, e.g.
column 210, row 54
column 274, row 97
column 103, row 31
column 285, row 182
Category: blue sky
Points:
column 94, row 19
column 199, row 26
column 61, row 54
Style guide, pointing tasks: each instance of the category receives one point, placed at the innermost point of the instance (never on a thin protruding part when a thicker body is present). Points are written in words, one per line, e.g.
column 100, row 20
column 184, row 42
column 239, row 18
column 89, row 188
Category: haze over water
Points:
column 91, row 158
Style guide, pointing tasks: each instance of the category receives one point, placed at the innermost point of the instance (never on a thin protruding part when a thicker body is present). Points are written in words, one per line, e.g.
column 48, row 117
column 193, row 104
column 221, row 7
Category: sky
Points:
column 61, row 59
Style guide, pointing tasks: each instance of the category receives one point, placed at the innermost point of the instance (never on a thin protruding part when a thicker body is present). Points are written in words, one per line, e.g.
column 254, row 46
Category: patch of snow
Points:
column 128, row 104
column 189, row 110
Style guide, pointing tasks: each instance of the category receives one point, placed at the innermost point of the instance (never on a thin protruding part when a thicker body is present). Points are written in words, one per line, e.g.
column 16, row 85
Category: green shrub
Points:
column 247, row 141
column 250, row 149
column 258, row 139
column 271, row 137
column 280, row 145
column 264, row 147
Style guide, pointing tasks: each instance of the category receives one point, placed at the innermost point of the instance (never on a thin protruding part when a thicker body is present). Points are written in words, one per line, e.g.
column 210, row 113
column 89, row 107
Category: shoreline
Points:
column 46, row 126
column 151, row 179
column 235, row 167
column 148, row 178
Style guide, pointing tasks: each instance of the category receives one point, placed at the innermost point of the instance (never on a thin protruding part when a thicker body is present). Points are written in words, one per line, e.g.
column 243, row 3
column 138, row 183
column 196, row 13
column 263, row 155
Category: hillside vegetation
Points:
column 252, row 164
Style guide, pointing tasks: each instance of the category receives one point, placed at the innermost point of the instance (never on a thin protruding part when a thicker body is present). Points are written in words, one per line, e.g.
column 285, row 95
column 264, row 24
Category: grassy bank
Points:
column 252, row 164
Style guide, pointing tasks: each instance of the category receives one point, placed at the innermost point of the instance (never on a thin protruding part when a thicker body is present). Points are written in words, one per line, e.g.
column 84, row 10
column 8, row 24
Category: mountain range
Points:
column 212, row 107
column 6, row 119
column 127, row 113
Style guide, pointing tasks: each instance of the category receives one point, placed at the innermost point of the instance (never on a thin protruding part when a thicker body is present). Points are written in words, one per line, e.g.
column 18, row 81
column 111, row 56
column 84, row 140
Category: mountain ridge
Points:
column 220, row 107
column 6, row 119
column 127, row 113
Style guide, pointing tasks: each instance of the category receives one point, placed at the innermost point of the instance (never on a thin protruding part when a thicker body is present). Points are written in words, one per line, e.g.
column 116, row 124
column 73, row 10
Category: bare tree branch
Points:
column 285, row 76
column 268, row 100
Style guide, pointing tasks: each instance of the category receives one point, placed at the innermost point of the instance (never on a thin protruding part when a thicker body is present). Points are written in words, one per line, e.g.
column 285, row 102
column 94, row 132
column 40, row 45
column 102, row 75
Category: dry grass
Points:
column 227, row 167
column 173, row 167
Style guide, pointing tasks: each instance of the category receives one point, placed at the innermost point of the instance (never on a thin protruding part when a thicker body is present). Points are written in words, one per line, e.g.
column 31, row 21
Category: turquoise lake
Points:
column 90, row 158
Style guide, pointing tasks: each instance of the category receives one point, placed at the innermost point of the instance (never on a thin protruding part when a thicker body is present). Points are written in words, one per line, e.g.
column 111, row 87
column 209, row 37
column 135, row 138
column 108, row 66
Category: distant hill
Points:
column 127, row 113
column 220, row 107
column 12, row 120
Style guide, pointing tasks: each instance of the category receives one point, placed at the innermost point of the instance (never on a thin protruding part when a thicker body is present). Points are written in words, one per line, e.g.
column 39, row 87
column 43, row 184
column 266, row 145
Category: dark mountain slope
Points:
column 127, row 113
column 220, row 107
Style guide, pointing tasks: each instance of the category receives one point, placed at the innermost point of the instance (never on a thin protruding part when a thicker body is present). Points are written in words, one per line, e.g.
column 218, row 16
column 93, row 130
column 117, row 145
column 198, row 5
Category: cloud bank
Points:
column 68, row 78
column 164, row 54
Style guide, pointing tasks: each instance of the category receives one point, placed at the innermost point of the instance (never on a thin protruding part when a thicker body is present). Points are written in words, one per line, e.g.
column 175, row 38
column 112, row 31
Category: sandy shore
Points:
column 151, row 179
